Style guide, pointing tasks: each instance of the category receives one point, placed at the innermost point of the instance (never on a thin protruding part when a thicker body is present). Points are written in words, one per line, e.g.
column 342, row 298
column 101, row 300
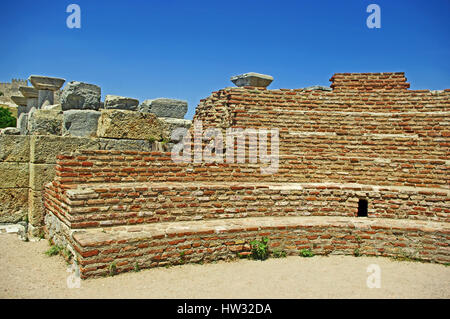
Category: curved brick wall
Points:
column 161, row 244
column 139, row 203
column 370, row 138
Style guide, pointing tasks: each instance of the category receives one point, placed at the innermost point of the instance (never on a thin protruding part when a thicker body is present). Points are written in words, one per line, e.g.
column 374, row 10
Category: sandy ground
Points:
column 26, row 272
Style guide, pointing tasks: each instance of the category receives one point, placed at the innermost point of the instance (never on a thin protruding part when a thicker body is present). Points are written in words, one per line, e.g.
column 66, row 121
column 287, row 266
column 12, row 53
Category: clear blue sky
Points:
column 188, row 48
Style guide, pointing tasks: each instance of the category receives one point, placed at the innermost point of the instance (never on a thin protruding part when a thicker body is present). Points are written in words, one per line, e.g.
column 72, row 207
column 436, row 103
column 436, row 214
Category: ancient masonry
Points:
column 363, row 169
column 50, row 124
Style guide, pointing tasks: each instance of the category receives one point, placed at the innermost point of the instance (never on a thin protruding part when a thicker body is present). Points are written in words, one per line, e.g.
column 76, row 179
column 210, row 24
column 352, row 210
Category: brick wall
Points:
column 166, row 244
column 370, row 138
column 369, row 81
column 116, row 166
column 141, row 203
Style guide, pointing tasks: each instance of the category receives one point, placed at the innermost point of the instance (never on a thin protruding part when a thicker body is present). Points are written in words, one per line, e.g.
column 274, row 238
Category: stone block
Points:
column 171, row 124
column 80, row 123
column 125, row 145
column 121, row 103
column 36, row 210
column 41, row 82
column 44, row 149
column 19, row 100
column 14, row 148
column 32, row 102
column 123, row 124
column 252, row 79
column 14, row 175
column 46, row 97
column 45, row 122
column 29, row 92
column 80, row 96
column 163, row 107
column 41, row 174
column 13, row 204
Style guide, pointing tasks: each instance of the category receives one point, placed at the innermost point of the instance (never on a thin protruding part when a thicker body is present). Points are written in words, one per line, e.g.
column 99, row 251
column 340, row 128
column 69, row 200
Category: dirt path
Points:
column 26, row 272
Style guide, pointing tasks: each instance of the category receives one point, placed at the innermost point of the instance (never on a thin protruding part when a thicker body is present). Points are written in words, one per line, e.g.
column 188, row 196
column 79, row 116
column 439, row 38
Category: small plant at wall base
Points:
column 260, row 249
column 112, row 269
column 164, row 141
column 6, row 118
column 67, row 254
column 279, row 254
column 53, row 251
column 306, row 253
column 182, row 261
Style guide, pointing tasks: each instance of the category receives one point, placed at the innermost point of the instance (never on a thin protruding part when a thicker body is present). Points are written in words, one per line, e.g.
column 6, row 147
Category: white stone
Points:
column 252, row 79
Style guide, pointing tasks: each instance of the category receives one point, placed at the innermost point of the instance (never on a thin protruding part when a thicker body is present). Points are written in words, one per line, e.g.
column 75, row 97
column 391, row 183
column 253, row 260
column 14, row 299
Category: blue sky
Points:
column 187, row 49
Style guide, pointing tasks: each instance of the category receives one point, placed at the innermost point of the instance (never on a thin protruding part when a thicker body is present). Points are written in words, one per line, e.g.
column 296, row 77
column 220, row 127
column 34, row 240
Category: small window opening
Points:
column 362, row 208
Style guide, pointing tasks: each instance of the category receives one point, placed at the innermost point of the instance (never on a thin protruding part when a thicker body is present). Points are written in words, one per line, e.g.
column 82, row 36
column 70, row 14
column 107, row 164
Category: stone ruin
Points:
column 51, row 120
column 363, row 167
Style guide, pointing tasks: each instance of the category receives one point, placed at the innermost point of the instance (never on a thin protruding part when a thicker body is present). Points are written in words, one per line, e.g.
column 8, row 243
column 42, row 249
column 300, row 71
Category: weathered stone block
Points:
column 36, row 209
column 29, row 92
column 80, row 123
column 14, row 175
column 14, row 148
column 13, row 204
column 45, row 122
column 46, row 97
column 32, row 98
column 41, row 82
column 165, row 107
column 44, row 149
column 252, row 79
column 129, row 125
column 171, row 124
column 81, row 96
column 41, row 174
column 121, row 103
column 122, row 144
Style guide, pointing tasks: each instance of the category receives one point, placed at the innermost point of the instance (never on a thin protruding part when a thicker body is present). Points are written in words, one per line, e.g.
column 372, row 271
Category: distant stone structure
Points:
column 12, row 88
